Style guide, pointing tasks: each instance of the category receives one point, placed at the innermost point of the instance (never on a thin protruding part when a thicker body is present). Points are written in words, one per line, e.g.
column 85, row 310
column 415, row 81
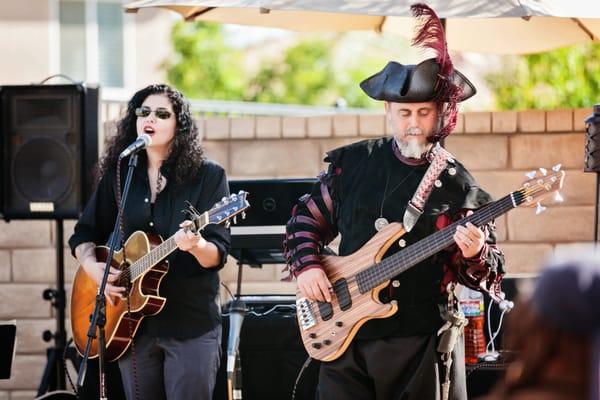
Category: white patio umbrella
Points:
column 489, row 26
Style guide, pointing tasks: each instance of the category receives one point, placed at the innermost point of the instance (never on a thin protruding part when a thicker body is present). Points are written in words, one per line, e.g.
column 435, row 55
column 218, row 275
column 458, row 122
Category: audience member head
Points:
column 555, row 331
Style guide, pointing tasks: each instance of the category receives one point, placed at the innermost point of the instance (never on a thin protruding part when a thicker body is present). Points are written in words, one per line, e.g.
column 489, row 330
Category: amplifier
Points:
column 271, row 351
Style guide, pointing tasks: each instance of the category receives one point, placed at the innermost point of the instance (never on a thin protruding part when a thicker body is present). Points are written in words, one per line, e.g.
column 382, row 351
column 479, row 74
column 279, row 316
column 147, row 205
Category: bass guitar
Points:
column 327, row 329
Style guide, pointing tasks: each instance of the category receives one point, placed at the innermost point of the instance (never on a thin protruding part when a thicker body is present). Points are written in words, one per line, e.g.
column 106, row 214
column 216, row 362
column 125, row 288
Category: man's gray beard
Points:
column 412, row 148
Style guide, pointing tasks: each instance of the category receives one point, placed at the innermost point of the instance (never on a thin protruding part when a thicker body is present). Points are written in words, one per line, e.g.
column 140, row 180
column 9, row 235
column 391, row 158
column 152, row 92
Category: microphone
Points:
column 140, row 143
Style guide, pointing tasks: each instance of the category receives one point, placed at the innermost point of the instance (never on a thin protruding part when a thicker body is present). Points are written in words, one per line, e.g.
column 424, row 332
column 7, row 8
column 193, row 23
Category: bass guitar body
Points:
column 144, row 298
column 327, row 329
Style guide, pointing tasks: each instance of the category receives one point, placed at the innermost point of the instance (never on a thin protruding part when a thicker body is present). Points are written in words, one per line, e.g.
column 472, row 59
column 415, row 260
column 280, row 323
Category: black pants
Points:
column 91, row 384
column 395, row 368
column 172, row 369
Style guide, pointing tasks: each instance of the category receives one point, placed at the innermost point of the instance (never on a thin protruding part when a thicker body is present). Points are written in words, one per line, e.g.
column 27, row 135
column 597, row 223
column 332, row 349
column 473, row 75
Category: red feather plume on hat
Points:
column 430, row 35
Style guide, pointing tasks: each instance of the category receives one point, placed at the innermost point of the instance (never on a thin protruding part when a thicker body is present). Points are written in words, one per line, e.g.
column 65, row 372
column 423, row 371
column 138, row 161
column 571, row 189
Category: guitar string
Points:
column 412, row 254
column 425, row 245
column 370, row 276
column 373, row 273
column 150, row 259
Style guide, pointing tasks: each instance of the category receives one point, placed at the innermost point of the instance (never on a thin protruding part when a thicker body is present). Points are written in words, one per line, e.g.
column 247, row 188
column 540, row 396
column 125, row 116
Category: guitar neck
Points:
column 152, row 258
column 375, row 275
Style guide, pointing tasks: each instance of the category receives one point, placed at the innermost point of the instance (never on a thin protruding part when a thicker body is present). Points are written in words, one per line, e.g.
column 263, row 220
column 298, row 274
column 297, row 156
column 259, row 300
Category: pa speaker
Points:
column 49, row 147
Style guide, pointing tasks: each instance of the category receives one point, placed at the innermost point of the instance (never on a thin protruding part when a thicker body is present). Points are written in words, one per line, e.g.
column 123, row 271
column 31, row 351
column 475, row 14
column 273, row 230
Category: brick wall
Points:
column 498, row 148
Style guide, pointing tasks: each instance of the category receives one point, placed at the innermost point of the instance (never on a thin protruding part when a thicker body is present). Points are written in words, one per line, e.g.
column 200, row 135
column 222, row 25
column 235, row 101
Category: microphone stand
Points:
column 98, row 318
column 237, row 311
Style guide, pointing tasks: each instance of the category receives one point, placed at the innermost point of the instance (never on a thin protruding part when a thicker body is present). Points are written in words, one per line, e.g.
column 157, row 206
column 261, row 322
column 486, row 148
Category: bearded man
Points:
column 374, row 182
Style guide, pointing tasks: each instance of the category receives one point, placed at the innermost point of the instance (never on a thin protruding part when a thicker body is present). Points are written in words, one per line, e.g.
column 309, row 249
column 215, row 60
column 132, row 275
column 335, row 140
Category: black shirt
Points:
column 366, row 181
column 191, row 290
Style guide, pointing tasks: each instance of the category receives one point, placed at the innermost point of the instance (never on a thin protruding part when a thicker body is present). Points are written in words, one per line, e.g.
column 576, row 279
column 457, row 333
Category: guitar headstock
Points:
column 222, row 212
column 541, row 184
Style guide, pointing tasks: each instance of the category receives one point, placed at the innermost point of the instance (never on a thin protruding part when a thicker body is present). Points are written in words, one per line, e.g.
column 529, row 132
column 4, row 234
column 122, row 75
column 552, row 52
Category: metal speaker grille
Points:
column 43, row 170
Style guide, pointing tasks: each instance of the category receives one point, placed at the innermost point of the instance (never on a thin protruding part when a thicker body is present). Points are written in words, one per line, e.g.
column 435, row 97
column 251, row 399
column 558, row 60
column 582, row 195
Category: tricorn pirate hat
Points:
column 434, row 79
column 413, row 83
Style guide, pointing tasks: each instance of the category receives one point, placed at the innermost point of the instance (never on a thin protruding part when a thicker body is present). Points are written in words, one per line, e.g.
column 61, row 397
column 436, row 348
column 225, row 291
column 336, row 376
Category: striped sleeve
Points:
column 483, row 272
column 312, row 225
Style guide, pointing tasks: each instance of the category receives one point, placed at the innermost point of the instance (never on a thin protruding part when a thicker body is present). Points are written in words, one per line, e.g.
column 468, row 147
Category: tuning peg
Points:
column 243, row 214
column 233, row 197
column 557, row 167
column 227, row 224
column 235, row 219
column 531, row 174
column 558, row 197
column 544, row 171
column 539, row 209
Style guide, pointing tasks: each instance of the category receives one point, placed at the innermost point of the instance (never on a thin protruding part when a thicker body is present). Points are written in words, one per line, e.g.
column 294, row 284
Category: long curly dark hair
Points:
column 186, row 153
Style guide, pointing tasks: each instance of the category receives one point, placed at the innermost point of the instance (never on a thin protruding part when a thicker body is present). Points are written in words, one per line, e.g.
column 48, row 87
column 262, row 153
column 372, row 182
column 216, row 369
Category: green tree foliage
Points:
column 205, row 66
column 563, row 78
column 305, row 75
column 348, row 80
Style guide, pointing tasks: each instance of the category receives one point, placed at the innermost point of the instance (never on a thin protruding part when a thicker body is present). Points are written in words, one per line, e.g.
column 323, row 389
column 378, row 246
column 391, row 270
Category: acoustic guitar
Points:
column 327, row 329
column 142, row 271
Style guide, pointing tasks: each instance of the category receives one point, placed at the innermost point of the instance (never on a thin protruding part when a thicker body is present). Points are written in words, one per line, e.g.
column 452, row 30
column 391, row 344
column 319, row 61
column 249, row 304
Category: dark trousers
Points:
column 172, row 369
column 395, row 368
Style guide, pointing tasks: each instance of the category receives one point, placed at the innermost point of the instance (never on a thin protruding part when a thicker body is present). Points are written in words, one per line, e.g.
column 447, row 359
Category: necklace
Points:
column 382, row 222
column 158, row 182
column 158, row 187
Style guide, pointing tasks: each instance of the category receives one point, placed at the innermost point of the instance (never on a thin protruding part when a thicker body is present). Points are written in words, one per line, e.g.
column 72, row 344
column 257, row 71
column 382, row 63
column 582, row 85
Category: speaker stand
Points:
column 54, row 373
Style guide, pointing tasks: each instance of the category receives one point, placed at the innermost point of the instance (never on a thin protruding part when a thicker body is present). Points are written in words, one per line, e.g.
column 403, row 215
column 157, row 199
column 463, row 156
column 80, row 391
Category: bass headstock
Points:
column 541, row 183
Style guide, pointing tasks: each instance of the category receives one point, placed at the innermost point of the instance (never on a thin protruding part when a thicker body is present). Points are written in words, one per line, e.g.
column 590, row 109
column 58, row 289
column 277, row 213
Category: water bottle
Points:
column 471, row 302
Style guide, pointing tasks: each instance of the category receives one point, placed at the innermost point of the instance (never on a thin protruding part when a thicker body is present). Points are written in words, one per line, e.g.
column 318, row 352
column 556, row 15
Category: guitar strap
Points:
column 450, row 312
column 439, row 159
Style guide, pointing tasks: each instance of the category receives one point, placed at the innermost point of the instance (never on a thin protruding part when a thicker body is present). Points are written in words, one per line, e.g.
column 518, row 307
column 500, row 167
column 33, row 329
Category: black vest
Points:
column 360, row 195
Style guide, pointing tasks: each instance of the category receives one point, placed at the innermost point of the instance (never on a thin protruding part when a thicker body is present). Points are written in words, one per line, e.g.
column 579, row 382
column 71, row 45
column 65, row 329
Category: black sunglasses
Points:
column 160, row 112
